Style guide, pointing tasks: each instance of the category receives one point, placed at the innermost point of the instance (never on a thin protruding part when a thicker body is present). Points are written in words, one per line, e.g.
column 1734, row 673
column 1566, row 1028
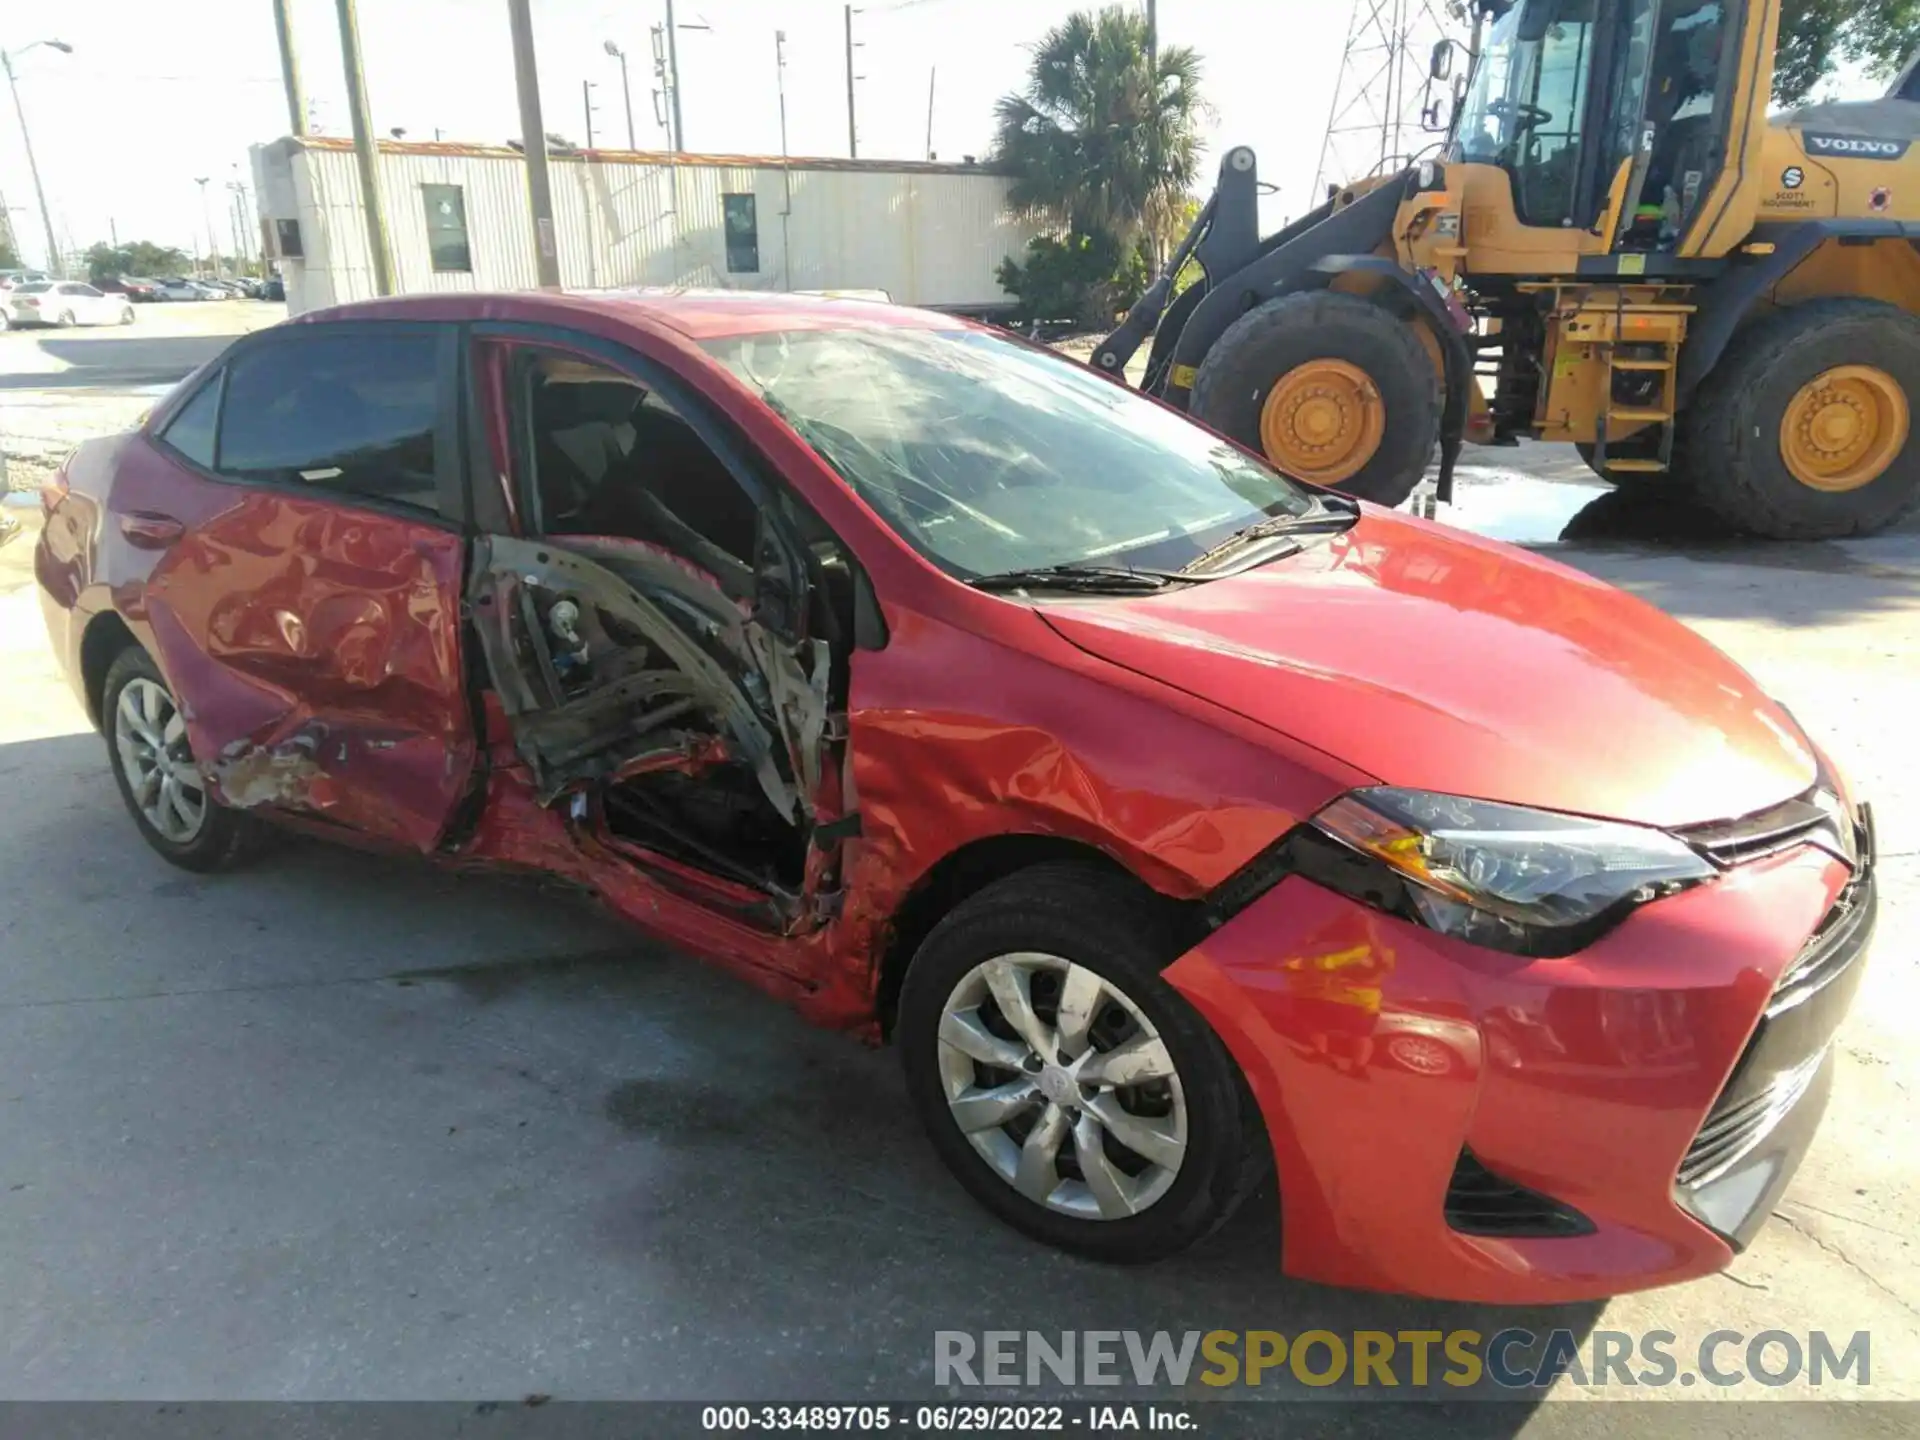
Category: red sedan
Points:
column 1177, row 821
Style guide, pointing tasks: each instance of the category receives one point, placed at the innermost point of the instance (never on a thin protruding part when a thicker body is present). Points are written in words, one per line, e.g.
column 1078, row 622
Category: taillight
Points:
column 28, row 301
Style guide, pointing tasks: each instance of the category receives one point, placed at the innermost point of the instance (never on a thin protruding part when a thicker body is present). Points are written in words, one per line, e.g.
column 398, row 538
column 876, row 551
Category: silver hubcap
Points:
column 151, row 739
column 1060, row 1082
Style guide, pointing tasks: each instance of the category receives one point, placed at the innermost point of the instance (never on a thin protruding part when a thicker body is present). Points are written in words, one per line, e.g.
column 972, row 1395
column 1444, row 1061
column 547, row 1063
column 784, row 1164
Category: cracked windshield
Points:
column 988, row 456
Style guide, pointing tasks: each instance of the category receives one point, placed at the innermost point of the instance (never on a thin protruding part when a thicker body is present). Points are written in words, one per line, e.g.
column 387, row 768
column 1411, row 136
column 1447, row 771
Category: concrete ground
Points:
column 341, row 1127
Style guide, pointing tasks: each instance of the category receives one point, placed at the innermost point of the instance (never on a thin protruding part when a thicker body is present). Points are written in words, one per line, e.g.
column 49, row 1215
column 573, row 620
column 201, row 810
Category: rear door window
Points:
column 353, row 414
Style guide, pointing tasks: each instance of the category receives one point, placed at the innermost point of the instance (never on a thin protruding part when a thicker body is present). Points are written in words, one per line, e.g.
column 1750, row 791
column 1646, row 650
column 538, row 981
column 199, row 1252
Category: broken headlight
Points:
column 1530, row 882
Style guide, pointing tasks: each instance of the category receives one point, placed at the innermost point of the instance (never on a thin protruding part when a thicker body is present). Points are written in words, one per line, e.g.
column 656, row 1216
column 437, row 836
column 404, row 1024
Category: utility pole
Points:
column 365, row 149
column 673, row 80
column 54, row 267
column 533, row 137
column 853, row 131
column 113, row 232
column 586, row 101
column 206, row 219
column 1153, row 43
column 932, row 71
column 290, row 66
column 626, row 91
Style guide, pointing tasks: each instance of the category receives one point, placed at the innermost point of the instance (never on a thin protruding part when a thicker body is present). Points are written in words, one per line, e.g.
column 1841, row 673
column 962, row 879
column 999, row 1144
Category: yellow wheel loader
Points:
column 1615, row 247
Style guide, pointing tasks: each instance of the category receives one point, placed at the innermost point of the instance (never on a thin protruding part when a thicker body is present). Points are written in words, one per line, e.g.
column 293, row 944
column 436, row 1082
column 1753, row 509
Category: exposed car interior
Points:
column 652, row 697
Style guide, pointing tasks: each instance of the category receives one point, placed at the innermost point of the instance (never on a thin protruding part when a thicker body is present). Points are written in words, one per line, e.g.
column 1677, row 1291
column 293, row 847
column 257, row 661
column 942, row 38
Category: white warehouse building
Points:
column 457, row 219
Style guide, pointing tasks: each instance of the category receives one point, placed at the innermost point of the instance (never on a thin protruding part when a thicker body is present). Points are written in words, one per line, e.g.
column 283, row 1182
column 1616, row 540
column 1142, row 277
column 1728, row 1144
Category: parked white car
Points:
column 66, row 302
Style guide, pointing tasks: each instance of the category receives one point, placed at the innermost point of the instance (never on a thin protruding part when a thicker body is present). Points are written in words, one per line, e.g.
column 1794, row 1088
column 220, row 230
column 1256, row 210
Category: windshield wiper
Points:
column 1087, row 579
column 1329, row 516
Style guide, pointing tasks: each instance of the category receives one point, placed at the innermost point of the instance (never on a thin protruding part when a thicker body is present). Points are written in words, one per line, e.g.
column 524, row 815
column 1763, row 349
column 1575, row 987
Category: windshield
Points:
column 1525, row 108
column 987, row 455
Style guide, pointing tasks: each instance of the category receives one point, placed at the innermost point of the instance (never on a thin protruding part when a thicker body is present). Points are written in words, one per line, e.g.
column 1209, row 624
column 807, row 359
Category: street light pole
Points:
column 626, row 91
column 206, row 219
column 54, row 266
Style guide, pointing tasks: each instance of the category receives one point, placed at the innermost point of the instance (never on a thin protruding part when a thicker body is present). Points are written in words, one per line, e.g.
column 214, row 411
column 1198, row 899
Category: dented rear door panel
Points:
column 315, row 649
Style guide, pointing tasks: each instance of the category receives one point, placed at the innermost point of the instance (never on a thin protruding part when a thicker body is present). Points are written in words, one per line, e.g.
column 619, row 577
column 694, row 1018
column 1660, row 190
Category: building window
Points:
column 743, row 234
column 447, row 228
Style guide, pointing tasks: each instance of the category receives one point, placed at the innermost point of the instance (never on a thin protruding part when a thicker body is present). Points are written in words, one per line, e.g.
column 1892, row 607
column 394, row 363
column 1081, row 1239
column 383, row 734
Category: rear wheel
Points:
column 1331, row 388
column 1806, row 428
column 126, row 314
column 1068, row 1087
column 155, row 770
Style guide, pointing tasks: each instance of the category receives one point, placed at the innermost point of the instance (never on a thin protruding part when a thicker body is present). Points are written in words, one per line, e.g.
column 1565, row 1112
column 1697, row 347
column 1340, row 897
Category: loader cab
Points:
column 1608, row 118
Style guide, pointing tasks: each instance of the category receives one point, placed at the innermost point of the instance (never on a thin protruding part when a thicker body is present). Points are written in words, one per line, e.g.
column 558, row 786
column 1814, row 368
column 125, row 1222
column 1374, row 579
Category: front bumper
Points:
column 1389, row 1061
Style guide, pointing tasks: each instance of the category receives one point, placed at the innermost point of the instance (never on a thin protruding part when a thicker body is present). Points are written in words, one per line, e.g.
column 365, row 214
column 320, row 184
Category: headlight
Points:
column 1530, row 882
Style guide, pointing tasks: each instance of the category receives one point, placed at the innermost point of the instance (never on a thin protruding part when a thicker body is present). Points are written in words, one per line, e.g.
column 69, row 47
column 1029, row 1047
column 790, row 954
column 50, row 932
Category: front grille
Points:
column 1833, row 947
column 1782, row 1060
column 1732, row 1131
column 1480, row 1202
column 1766, row 832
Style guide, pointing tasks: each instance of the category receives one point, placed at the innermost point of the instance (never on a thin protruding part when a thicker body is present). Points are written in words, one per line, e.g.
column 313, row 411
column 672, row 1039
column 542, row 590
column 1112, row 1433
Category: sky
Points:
column 125, row 125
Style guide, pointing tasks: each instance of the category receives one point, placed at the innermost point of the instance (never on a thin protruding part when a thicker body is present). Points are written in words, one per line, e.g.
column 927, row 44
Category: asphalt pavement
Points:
column 338, row 1127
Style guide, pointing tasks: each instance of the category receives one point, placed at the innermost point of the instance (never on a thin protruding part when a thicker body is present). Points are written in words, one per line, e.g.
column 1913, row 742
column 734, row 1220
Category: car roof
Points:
column 696, row 314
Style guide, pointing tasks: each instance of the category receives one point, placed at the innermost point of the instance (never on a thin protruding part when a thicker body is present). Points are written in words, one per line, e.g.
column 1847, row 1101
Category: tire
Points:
column 1239, row 373
column 223, row 838
column 1072, row 915
column 1731, row 433
column 65, row 320
column 126, row 315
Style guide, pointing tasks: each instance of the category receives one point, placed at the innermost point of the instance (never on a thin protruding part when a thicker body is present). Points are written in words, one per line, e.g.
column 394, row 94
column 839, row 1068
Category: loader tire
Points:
column 1331, row 388
column 1803, row 432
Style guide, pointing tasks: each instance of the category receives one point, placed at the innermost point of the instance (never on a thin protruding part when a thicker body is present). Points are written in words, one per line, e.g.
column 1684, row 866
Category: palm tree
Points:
column 1096, row 143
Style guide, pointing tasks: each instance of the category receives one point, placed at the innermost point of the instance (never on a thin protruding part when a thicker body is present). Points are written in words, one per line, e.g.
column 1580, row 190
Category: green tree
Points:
column 1100, row 143
column 140, row 258
column 1816, row 36
column 9, row 257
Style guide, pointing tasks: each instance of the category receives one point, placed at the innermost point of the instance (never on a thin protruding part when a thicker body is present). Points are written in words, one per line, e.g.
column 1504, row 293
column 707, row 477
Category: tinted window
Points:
column 191, row 429
column 352, row 413
column 447, row 227
column 34, row 288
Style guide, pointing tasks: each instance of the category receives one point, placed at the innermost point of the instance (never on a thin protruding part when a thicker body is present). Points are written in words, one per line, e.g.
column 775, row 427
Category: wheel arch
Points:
column 1809, row 260
column 106, row 636
column 968, row 869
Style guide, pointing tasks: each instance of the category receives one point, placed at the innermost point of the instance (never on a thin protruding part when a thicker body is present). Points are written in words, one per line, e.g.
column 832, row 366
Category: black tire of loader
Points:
column 1730, row 435
column 1266, row 343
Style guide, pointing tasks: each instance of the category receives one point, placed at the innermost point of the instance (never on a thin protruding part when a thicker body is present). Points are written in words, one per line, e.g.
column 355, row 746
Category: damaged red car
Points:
column 1179, row 823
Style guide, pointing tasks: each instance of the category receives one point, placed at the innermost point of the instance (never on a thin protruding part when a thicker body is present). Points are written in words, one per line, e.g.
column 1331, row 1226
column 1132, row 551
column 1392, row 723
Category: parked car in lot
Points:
column 176, row 287
column 273, row 288
column 138, row 290
column 11, row 278
column 1177, row 821
column 64, row 303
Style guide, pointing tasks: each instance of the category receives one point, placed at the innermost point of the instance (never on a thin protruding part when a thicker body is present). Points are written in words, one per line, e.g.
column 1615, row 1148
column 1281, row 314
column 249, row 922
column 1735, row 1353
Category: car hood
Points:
column 1434, row 659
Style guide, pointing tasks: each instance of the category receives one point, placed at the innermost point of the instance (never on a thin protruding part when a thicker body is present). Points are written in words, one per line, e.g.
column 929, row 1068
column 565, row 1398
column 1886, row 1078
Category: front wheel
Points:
column 66, row 320
column 158, row 779
column 1069, row 1088
column 1330, row 387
